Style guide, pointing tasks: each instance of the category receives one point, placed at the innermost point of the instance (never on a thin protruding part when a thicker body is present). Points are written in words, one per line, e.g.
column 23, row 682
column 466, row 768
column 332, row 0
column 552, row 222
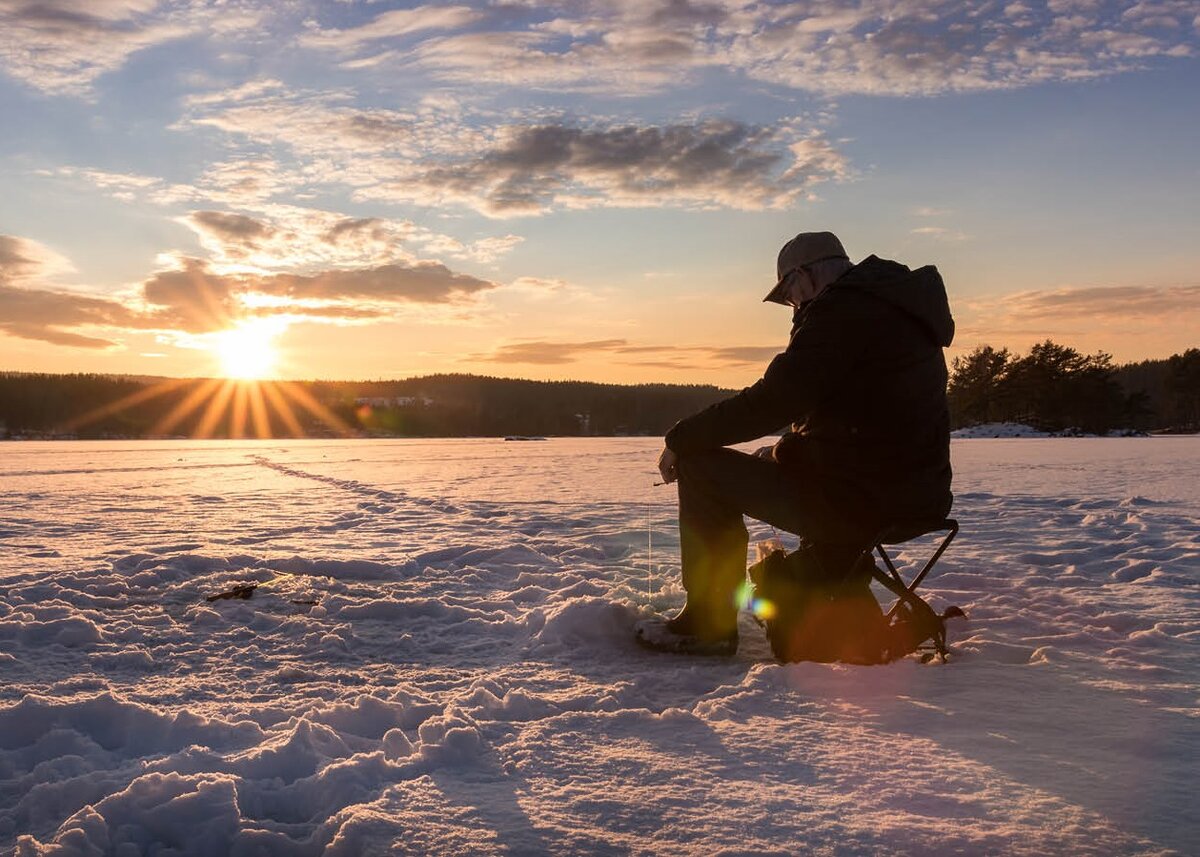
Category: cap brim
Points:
column 778, row 294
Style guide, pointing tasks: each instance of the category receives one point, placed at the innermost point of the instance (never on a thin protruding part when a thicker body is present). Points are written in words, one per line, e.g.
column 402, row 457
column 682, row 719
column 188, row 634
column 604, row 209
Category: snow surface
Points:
column 467, row 680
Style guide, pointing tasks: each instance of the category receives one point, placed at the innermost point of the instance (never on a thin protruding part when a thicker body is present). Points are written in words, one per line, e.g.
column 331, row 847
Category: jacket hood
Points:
column 920, row 293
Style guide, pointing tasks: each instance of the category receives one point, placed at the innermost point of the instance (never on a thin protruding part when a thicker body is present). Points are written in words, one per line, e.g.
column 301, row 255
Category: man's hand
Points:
column 666, row 465
column 767, row 452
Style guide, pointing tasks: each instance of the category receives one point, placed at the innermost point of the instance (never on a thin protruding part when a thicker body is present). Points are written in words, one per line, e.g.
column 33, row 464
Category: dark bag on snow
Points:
column 816, row 614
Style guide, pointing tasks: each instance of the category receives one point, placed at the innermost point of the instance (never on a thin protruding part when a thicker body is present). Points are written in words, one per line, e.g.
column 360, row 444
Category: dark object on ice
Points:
column 242, row 590
column 522, row 437
column 304, row 601
column 818, row 611
column 677, row 636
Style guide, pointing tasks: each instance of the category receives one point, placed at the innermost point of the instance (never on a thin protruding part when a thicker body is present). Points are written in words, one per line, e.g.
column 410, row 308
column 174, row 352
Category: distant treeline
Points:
column 1054, row 387
column 95, row 406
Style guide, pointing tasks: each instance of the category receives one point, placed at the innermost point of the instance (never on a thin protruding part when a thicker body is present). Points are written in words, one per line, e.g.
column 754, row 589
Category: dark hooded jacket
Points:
column 863, row 385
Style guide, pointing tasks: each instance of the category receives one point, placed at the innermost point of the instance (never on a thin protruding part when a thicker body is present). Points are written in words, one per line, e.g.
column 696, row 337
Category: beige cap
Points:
column 806, row 248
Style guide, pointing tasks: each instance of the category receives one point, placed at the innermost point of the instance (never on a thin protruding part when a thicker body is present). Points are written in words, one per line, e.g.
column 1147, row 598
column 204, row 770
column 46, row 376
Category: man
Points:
column 863, row 384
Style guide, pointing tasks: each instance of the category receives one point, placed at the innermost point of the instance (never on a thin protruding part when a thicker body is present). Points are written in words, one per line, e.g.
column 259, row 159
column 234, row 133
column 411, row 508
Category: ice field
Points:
column 439, row 659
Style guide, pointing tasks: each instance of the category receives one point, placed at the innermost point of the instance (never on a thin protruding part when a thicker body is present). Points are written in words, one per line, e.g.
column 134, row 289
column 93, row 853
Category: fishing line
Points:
column 649, row 551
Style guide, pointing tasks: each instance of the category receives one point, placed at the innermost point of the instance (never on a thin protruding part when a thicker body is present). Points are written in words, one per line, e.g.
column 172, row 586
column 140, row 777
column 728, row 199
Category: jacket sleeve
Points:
column 814, row 365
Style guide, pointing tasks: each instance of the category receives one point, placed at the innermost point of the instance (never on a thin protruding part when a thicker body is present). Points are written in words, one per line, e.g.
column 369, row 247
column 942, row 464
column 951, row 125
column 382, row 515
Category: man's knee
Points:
column 705, row 465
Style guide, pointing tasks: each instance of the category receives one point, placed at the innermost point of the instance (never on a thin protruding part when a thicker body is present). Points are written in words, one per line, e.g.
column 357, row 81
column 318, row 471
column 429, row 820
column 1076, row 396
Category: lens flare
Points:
column 744, row 596
column 745, row 599
column 763, row 609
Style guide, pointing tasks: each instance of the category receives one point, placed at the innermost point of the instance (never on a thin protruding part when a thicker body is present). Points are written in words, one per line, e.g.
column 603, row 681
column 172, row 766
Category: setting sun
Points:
column 248, row 351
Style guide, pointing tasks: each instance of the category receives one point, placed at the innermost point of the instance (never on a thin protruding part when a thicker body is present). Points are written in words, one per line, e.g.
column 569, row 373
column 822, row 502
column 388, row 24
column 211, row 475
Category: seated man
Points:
column 863, row 384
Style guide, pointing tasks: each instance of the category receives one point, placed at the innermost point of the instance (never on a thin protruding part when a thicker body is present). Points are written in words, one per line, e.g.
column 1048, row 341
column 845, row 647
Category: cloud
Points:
column 310, row 122
column 1133, row 321
column 193, row 298
column 18, row 258
column 547, row 353
column 436, row 155
column 236, row 227
column 1103, row 303
column 830, row 47
column 42, row 315
column 826, row 46
column 543, row 352
column 29, row 312
column 420, row 282
column 130, row 187
column 393, row 24
column 196, row 299
column 287, row 237
column 23, row 259
column 712, row 163
column 241, row 181
column 940, row 233
column 62, row 46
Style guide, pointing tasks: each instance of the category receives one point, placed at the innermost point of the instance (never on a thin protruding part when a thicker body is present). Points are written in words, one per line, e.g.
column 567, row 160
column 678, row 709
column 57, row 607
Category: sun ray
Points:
column 218, row 313
column 258, row 411
column 135, row 398
column 181, row 411
column 305, row 400
column 282, row 408
column 237, row 419
column 217, row 408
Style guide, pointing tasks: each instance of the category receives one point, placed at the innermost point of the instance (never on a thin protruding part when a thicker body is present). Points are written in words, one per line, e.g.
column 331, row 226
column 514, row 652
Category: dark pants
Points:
column 718, row 487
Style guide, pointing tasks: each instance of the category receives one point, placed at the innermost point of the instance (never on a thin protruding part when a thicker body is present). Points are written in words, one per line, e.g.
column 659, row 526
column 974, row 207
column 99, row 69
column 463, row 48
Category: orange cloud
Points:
column 195, row 299
column 663, row 356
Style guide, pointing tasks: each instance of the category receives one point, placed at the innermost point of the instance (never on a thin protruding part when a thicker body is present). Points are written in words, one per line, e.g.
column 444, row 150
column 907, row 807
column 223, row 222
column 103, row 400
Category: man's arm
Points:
column 814, row 365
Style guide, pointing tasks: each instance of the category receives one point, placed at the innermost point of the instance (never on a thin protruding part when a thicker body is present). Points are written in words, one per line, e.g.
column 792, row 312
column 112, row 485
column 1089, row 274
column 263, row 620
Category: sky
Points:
column 586, row 190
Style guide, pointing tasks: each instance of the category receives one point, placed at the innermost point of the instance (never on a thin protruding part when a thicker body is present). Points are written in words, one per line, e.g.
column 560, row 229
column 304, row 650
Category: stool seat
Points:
column 905, row 531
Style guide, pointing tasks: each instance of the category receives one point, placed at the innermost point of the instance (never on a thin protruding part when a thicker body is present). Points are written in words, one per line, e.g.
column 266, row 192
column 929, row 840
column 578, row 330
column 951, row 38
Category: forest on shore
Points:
column 1053, row 388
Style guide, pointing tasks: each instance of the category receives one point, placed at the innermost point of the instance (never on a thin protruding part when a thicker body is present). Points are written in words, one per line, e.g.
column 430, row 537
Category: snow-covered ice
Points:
column 439, row 659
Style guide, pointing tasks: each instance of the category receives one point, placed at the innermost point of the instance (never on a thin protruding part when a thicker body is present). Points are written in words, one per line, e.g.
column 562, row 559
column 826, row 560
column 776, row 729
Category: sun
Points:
column 248, row 351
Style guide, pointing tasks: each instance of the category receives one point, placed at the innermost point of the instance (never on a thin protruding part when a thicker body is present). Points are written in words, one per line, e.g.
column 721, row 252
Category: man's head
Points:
column 807, row 264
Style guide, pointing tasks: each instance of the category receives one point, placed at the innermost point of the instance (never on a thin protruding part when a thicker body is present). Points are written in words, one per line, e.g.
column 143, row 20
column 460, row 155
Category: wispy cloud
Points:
column 274, row 235
column 288, row 237
column 30, row 311
column 393, row 24
column 432, row 157
column 49, row 316
column 629, row 48
column 192, row 298
column 1101, row 302
column 1136, row 319
column 826, row 46
column 129, row 187
column 62, row 46
column 23, row 259
column 940, row 233
column 546, row 352
column 712, row 163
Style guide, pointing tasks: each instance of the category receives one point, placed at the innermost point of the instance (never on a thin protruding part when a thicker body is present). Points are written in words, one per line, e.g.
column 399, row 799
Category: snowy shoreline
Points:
column 1013, row 430
column 466, row 680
